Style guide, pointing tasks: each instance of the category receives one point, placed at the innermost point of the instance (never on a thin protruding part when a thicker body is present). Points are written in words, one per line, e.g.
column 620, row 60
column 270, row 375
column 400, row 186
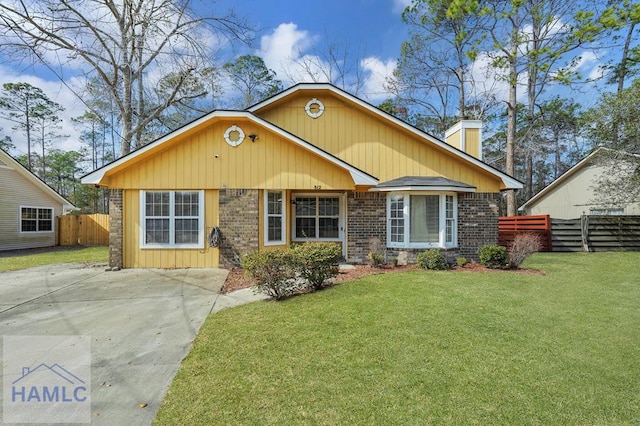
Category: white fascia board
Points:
column 423, row 188
column 508, row 181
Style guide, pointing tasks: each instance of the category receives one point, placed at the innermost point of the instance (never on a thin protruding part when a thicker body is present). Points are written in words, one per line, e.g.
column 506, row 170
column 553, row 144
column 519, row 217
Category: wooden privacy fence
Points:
column 83, row 230
column 596, row 233
column 510, row 226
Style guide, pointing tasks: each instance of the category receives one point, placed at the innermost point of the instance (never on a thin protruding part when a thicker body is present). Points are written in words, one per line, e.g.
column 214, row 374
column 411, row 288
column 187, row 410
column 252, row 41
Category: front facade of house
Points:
column 28, row 208
column 310, row 164
column 573, row 194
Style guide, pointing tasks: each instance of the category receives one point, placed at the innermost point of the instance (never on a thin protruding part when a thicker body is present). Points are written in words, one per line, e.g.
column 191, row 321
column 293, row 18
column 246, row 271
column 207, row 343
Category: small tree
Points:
column 523, row 246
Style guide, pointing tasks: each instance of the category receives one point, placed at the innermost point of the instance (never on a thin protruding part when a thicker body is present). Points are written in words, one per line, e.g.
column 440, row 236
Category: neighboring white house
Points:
column 573, row 194
column 28, row 207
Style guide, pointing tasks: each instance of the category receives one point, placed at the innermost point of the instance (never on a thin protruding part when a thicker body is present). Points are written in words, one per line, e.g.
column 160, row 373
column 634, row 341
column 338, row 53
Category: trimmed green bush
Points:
column 493, row 256
column 431, row 259
column 316, row 263
column 272, row 271
column 461, row 261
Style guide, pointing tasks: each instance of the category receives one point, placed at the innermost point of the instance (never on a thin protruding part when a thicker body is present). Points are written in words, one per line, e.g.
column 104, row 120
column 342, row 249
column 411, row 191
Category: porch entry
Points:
column 319, row 217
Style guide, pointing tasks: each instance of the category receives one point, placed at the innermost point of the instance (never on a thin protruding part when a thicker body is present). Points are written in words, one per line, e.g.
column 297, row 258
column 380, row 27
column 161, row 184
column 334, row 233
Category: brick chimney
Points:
column 466, row 135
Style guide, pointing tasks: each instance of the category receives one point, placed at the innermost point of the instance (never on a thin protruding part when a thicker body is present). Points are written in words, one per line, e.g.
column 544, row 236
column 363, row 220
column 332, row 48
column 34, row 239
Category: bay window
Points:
column 172, row 219
column 422, row 220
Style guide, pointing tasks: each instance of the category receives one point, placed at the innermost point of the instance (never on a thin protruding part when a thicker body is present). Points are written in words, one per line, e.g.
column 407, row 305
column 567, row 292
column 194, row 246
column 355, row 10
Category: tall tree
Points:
column 123, row 44
column 251, row 79
column 22, row 104
column 622, row 18
column 433, row 73
column 46, row 123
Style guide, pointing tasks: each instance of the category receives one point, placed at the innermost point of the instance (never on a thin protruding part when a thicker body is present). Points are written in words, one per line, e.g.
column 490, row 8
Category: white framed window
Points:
column 422, row 220
column 36, row 219
column 317, row 217
column 274, row 217
column 171, row 219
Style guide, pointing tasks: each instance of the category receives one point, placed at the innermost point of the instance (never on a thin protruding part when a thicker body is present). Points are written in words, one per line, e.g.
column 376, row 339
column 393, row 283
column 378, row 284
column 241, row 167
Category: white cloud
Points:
column 283, row 51
column 378, row 72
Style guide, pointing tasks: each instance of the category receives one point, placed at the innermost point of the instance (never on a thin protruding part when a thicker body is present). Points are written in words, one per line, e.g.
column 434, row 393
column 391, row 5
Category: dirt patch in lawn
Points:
column 237, row 279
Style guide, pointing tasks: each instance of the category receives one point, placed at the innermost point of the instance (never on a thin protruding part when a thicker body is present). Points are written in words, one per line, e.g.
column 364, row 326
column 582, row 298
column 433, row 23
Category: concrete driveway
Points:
column 141, row 323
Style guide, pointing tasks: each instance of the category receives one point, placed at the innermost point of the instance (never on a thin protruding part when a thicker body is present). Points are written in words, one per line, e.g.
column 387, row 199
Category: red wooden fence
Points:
column 510, row 226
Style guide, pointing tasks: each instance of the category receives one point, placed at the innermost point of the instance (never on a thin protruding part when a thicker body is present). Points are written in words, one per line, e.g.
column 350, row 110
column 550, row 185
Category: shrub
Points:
column 272, row 271
column 523, row 246
column 316, row 263
column 493, row 256
column 375, row 259
column 431, row 259
column 461, row 261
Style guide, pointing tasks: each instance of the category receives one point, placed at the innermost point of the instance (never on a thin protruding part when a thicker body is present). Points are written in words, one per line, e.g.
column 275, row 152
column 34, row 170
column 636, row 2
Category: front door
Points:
column 319, row 217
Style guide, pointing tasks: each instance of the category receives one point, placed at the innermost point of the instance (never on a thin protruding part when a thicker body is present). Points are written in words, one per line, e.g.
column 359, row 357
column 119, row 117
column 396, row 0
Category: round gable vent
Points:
column 234, row 135
column 314, row 108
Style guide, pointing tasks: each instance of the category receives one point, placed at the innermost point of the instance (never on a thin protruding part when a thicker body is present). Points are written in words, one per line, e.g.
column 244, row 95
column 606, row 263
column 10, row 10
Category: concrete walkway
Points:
column 141, row 322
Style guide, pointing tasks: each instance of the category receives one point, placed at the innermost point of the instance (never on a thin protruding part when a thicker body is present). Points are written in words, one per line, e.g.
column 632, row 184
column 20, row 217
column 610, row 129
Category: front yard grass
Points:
column 427, row 348
column 24, row 259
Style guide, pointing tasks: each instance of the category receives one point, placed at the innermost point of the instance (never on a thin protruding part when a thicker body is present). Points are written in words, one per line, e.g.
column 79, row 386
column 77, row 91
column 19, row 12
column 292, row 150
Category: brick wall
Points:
column 366, row 224
column 116, row 258
column 239, row 225
column 477, row 222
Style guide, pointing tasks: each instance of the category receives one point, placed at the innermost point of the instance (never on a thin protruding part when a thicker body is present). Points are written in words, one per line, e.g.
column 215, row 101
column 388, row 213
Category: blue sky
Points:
column 289, row 32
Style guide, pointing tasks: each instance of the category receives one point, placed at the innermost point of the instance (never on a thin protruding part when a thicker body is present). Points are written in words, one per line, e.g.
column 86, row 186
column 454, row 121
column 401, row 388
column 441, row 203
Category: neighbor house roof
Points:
column 359, row 177
column 568, row 174
column 8, row 161
column 509, row 182
column 421, row 183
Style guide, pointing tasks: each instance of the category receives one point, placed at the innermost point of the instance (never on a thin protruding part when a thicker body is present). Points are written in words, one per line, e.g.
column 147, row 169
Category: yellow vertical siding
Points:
column 472, row 142
column 374, row 145
column 135, row 257
column 204, row 160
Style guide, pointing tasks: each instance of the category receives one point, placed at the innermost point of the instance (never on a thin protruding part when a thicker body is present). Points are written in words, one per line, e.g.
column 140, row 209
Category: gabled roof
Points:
column 423, row 183
column 359, row 177
column 508, row 181
column 568, row 174
column 13, row 164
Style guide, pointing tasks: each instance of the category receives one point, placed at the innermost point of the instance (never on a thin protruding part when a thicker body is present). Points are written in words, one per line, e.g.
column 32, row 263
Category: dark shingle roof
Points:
column 425, row 182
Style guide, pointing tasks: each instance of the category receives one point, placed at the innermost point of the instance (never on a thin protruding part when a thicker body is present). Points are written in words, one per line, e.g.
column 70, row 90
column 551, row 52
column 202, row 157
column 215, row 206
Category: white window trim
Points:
column 266, row 216
column 172, row 193
column 341, row 218
column 442, row 233
column 53, row 220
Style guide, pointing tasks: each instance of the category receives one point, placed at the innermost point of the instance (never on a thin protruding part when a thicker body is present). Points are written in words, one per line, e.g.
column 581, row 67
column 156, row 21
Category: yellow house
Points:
column 312, row 163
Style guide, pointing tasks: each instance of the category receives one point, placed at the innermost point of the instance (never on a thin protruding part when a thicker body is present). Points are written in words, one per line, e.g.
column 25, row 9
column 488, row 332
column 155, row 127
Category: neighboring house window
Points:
column 36, row 219
column 172, row 219
column 607, row 212
column 420, row 220
column 274, row 222
column 317, row 218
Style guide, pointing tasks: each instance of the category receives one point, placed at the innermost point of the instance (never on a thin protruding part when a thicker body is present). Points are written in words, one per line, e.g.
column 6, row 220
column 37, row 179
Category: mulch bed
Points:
column 237, row 279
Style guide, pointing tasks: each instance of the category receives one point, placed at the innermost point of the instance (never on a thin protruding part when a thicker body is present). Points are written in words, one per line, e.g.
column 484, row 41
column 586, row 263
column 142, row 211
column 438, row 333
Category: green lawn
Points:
column 427, row 347
column 27, row 258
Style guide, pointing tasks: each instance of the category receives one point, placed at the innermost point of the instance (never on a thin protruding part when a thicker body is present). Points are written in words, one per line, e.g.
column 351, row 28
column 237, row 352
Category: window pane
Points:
column 186, row 231
column 157, row 204
column 305, row 206
column 328, row 206
column 157, row 231
column 45, row 225
column 305, row 227
column 29, row 226
column 29, row 213
column 424, row 219
column 396, row 213
column 44, row 214
column 186, row 204
column 274, row 203
column 328, row 227
column 274, row 230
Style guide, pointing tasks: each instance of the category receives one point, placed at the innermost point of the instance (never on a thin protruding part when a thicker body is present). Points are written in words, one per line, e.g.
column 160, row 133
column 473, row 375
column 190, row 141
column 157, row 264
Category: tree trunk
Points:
column 511, row 132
